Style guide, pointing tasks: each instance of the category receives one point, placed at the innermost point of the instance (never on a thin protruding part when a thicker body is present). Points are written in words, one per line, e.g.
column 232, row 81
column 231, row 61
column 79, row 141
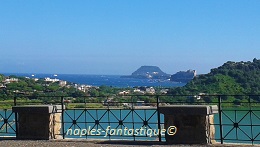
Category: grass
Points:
column 8, row 104
column 83, row 105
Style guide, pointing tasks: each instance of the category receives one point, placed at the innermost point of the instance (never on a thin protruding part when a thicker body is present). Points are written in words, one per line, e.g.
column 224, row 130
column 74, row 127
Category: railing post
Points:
column 107, row 102
column 132, row 103
column 15, row 117
column 62, row 117
column 220, row 119
column 251, row 121
column 132, row 109
column 15, row 102
column 159, row 118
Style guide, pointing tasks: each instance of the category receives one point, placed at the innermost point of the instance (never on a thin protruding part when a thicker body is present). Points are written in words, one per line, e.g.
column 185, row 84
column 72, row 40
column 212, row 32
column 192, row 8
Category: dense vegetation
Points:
column 232, row 78
column 39, row 91
column 42, row 88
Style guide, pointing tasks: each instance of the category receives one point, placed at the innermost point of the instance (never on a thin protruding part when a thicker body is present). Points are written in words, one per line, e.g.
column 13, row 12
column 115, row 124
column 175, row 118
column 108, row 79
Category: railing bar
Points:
column 11, row 126
column 96, row 119
column 250, row 106
column 228, row 133
column 158, row 118
column 245, row 133
column 220, row 119
column 255, row 114
column 139, row 115
column 91, row 115
column 133, row 117
column 62, row 117
column 80, row 115
column 243, row 116
column 236, row 122
column 227, row 116
column 86, row 123
column 152, row 115
column 109, row 124
column 257, row 136
column 114, row 115
column 67, row 114
column 103, row 114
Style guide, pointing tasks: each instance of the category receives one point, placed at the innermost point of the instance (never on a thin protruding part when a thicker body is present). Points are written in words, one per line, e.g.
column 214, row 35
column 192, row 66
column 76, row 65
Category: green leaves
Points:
column 232, row 78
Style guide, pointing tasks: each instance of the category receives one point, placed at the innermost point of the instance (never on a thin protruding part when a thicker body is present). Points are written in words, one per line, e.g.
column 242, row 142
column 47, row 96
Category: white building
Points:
column 150, row 90
column 10, row 80
column 51, row 80
column 62, row 83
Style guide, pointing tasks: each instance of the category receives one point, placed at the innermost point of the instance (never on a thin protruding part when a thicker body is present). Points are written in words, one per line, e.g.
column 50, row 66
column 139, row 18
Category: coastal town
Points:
column 38, row 87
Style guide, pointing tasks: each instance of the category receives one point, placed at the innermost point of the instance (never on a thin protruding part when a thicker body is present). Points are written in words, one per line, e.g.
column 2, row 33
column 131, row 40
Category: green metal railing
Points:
column 236, row 121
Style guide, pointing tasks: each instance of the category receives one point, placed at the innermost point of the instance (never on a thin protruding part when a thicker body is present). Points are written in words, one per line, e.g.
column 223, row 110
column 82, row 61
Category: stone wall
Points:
column 38, row 122
column 194, row 124
column 55, row 126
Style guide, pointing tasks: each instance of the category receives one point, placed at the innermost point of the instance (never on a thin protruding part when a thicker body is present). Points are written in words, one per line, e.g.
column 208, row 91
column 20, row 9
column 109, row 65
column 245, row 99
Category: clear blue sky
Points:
column 119, row 36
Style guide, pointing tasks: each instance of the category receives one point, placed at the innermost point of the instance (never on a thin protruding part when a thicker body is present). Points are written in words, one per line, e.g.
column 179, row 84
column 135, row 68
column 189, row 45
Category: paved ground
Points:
column 87, row 143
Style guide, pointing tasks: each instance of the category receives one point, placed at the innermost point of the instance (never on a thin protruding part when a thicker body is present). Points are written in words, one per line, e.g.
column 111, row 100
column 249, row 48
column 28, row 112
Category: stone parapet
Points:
column 38, row 121
column 193, row 123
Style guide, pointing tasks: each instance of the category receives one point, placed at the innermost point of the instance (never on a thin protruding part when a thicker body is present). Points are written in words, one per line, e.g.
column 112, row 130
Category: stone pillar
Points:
column 38, row 121
column 192, row 123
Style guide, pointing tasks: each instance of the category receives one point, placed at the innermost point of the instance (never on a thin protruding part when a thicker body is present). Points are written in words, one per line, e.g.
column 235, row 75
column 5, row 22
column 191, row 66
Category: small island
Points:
column 148, row 72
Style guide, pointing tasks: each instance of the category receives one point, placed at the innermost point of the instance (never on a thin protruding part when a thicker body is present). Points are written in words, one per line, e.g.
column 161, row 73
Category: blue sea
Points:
column 98, row 80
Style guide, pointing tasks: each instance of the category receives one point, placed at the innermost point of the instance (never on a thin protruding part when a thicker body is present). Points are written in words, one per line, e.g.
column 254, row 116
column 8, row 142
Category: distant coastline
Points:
column 98, row 80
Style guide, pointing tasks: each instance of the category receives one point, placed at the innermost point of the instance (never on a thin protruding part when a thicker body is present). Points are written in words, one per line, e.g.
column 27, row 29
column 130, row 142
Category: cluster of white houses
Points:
column 7, row 81
column 86, row 88
column 62, row 83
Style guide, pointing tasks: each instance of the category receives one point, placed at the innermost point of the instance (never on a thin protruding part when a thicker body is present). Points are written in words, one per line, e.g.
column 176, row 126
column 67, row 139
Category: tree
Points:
column 93, row 92
column 207, row 99
column 1, row 77
column 237, row 102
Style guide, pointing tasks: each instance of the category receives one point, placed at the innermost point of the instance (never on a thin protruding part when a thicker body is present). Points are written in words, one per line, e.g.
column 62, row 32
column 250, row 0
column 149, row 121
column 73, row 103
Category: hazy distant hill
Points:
column 148, row 72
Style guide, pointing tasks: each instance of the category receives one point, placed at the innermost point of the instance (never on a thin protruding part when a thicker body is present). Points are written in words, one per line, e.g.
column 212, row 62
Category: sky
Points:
column 116, row 37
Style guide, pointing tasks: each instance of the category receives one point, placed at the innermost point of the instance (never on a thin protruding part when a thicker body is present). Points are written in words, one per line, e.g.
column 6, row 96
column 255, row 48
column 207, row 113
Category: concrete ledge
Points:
column 38, row 109
column 189, row 109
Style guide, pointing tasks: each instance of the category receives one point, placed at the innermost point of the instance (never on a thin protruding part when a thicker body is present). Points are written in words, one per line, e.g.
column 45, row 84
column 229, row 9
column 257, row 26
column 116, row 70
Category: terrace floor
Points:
column 98, row 143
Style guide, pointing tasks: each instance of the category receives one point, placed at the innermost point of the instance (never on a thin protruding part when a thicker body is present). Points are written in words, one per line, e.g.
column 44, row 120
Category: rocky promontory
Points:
column 183, row 76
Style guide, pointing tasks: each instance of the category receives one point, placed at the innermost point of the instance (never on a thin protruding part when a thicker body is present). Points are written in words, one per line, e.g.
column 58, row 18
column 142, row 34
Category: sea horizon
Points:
column 99, row 80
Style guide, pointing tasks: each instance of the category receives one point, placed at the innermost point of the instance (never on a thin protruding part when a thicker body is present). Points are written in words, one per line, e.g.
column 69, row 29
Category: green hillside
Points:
column 232, row 78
